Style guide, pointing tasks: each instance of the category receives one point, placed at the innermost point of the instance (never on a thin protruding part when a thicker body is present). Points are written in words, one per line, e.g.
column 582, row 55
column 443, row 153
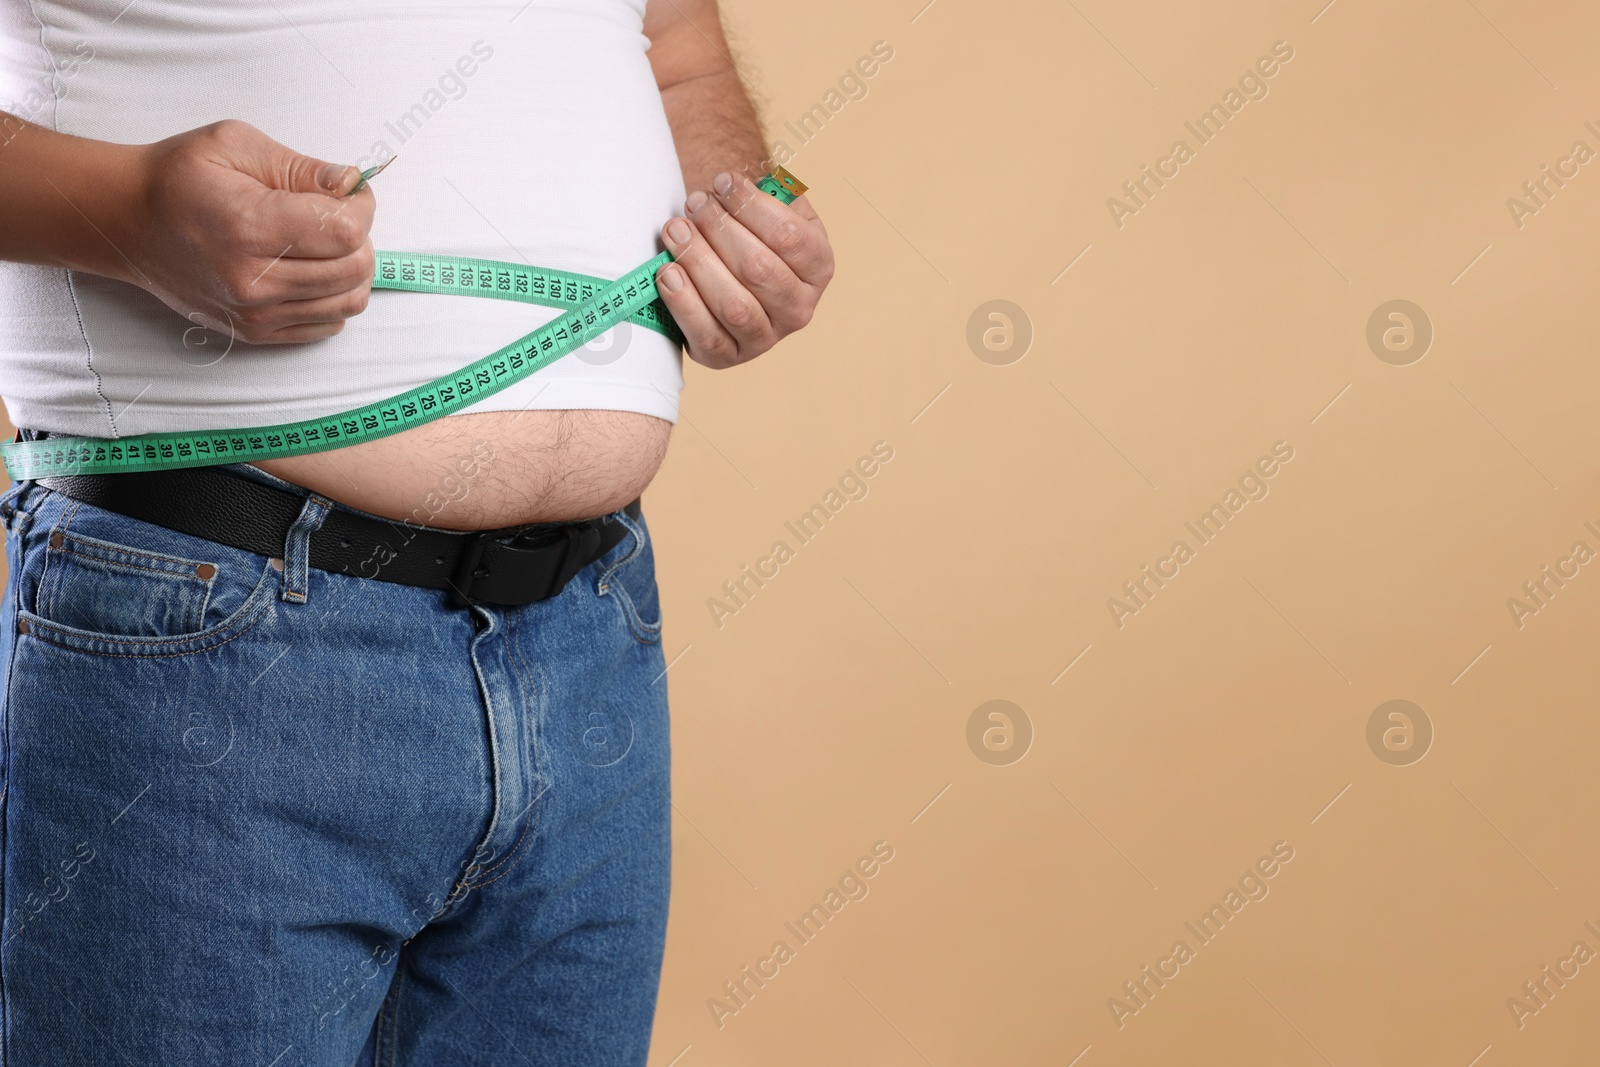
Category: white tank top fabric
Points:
column 531, row 132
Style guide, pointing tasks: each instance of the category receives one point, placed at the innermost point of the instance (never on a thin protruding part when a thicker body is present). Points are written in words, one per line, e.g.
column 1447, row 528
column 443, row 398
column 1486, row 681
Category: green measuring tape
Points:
column 594, row 306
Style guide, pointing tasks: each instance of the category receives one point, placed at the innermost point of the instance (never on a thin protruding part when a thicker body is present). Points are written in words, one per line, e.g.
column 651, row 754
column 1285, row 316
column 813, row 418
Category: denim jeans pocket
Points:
column 106, row 584
column 121, row 591
column 628, row 576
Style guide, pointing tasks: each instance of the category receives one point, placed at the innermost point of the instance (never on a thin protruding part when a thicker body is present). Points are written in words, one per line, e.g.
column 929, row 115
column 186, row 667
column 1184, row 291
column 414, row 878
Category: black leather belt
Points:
column 511, row 566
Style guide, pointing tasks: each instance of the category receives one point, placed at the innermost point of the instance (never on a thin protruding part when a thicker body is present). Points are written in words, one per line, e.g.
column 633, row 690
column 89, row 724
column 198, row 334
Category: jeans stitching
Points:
column 10, row 501
column 393, row 1019
column 43, row 590
column 131, row 655
column 536, row 714
column 469, row 879
column 474, row 881
column 65, row 551
column 14, row 581
column 645, row 633
column 242, row 624
column 296, row 584
column 93, row 544
column 514, row 657
column 193, row 615
column 637, row 547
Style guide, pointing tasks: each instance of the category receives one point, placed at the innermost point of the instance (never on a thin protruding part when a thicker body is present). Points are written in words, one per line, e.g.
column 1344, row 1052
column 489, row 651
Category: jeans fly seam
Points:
column 533, row 701
column 513, row 657
column 536, row 714
column 466, row 882
column 393, row 1018
column 510, row 857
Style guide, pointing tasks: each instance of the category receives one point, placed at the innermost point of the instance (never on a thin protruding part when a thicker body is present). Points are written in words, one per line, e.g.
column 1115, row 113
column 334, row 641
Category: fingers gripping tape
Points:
column 590, row 306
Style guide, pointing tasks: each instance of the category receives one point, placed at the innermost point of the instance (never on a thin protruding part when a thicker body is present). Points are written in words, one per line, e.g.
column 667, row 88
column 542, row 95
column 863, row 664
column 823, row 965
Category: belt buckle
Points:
column 577, row 540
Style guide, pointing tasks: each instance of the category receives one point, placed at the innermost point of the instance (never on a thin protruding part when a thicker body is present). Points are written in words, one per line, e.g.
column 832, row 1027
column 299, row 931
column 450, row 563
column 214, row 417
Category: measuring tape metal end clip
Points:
column 783, row 185
column 369, row 174
column 590, row 306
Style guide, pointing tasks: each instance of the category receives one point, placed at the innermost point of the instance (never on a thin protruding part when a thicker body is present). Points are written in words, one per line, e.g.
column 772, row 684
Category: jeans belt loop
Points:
column 295, row 584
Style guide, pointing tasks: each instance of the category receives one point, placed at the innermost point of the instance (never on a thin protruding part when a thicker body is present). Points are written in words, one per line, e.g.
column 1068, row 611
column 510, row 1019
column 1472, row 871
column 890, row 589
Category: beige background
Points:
column 1231, row 712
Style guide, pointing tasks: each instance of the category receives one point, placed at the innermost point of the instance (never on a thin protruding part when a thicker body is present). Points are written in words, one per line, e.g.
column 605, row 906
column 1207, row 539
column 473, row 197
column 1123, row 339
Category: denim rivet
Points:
column 56, row 539
column 22, row 626
column 205, row 570
column 277, row 564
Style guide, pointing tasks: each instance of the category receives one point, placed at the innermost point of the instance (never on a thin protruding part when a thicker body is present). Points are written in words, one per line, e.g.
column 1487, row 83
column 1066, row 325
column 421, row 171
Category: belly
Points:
column 492, row 469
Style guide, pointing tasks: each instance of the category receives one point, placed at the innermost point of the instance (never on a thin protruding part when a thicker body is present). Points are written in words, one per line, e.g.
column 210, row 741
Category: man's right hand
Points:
column 243, row 235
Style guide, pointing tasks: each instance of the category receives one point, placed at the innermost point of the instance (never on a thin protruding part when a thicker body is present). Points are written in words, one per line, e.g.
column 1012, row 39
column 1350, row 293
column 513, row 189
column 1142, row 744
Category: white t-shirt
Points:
column 527, row 130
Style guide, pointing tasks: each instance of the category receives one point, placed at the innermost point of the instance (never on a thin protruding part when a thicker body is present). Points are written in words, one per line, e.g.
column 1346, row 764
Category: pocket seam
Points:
column 644, row 632
column 93, row 551
column 94, row 544
column 603, row 585
column 42, row 589
column 255, row 607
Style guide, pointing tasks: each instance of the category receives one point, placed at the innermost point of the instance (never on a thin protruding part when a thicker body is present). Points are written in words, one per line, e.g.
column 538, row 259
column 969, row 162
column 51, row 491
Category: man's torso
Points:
column 525, row 132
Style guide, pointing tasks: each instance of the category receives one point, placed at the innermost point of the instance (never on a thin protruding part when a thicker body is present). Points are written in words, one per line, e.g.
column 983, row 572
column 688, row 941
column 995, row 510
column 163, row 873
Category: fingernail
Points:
column 671, row 278
column 332, row 176
column 723, row 183
column 696, row 201
column 678, row 232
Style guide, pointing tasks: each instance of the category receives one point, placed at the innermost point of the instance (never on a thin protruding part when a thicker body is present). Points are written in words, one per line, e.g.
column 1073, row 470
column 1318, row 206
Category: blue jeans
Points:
column 255, row 813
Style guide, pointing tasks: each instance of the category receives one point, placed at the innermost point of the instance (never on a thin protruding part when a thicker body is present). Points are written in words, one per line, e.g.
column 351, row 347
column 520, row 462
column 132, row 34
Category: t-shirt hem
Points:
column 568, row 394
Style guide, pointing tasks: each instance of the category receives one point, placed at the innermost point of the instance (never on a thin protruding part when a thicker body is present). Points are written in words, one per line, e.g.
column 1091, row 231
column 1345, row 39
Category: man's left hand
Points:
column 748, row 270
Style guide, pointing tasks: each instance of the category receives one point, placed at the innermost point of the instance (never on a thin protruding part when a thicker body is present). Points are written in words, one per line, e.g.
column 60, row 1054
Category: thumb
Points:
column 310, row 175
column 281, row 167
